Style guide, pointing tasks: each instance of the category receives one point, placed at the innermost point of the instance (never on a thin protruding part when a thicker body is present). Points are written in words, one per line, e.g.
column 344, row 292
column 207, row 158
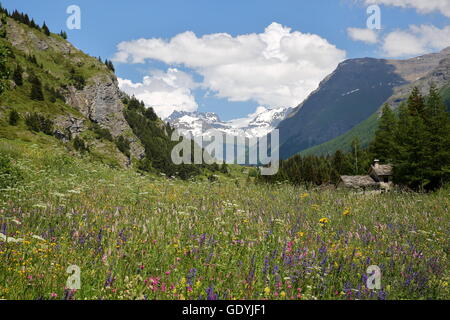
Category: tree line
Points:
column 415, row 139
column 25, row 19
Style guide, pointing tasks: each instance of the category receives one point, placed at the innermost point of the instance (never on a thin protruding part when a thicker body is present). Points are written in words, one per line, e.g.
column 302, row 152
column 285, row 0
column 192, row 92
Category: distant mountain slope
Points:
column 351, row 95
column 365, row 132
column 345, row 98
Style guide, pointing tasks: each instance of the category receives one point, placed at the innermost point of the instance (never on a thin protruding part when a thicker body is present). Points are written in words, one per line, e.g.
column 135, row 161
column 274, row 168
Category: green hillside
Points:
column 364, row 131
column 57, row 69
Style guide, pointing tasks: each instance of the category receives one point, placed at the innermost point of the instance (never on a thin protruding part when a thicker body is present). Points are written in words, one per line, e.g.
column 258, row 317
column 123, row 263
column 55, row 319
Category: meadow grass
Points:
column 147, row 237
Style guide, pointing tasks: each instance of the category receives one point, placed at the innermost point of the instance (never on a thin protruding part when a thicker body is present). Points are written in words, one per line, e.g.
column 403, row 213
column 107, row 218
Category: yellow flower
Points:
column 300, row 234
column 346, row 212
column 282, row 294
column 267, row 291
column 324, row 221
column 304, row 195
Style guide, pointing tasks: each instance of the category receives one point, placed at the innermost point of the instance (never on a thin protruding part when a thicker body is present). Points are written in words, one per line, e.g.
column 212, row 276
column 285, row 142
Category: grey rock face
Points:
column 437, row 74
column 70, row 125
column 100, row 102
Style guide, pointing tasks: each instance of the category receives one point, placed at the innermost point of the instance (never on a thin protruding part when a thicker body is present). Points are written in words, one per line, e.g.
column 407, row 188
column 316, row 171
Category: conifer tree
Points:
column 13, row 117
column 384, row 145
column 17, row 76
column 437, row 150
column 45, row 29
column 416, row 103
column 36, row 89
column 410, row 161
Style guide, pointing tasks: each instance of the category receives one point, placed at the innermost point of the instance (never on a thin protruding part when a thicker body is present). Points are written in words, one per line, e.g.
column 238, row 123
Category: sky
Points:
column 235, row 57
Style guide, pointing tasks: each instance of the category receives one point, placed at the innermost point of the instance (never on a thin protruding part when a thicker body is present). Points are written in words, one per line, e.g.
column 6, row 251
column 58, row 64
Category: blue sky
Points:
column 105, row 24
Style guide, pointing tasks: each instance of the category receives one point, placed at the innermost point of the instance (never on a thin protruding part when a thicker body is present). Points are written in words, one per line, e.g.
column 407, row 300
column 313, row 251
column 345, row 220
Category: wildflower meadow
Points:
column 138, row 236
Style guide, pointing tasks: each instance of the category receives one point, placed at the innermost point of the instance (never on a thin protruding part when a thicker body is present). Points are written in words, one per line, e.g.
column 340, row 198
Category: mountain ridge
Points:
column 334, row 108
column 256, row 125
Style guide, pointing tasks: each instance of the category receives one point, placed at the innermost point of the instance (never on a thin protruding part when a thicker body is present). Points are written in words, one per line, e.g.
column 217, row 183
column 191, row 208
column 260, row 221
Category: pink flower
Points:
column 53, row 295
column 167, row 273
column 141, row 267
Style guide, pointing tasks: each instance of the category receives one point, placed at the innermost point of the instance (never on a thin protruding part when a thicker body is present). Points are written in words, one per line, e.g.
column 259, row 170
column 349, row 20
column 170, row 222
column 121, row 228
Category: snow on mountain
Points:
column 256, row 125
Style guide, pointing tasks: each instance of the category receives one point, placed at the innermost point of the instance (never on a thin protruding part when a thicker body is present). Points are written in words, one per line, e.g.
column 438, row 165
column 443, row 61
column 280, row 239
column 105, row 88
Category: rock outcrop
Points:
column 100, row 101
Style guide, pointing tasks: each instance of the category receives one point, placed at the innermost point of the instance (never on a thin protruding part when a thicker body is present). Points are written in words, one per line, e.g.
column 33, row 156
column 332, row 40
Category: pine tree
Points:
column 410, row 158
column 437, row 151
column 13, row 117
column 110, row 65
column 17, row 76
column 416, row 103
column 63, row 35
column 384, row 145
column 224, row 168
column 36, row 89
column 45, row 29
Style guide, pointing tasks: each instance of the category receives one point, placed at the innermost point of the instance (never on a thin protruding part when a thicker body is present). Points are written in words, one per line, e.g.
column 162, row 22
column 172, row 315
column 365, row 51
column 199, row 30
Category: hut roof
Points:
column 358, row 181
column 383, row 169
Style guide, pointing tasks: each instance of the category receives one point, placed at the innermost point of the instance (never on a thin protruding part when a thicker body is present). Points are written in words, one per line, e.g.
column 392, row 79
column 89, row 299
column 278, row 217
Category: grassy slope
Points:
column 364, row 131
column 148, row 234
column 55, row 74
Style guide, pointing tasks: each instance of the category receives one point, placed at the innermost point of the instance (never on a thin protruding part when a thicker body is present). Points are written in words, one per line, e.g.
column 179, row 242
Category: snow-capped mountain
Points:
column 259, row 124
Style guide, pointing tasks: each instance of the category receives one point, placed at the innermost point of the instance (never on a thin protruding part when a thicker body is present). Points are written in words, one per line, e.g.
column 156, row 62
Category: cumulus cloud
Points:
column 278, row 67
column 422, row 6
column 164, row 91
column 365, row 35
column 416, row 40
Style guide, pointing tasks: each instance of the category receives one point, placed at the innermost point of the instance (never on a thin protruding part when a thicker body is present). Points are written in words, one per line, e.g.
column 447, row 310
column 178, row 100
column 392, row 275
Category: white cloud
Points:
column 279, row 67
column 422, row 6
column 366, row 35
column 416, row 40
column 164, row 91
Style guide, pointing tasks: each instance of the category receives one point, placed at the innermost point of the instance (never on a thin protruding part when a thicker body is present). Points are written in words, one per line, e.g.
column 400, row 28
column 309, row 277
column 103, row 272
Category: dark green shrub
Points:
column 77, row 79
column 39, row 123
column 14, row 117
column 145, row 165
column 102, row 133
column 80, row 145
column 36, row 88
column 17, row 76
column 123, row 145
